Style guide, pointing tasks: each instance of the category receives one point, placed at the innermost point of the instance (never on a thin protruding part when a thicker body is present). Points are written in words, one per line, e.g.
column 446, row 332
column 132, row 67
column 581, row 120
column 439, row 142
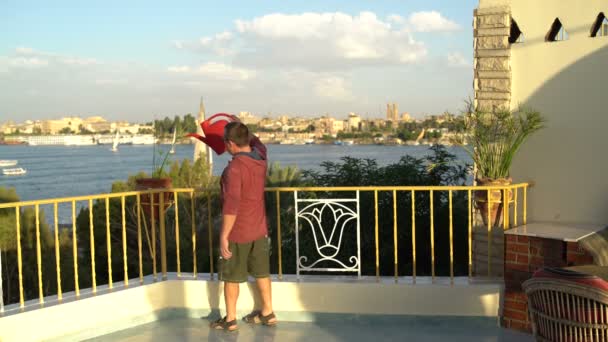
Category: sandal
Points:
column 251, row 318
column 255, row 317
column 222, row 324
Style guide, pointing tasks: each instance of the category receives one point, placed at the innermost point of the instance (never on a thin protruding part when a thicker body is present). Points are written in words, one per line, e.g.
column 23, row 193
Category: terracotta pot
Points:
column 147, row 199
column 496, row 203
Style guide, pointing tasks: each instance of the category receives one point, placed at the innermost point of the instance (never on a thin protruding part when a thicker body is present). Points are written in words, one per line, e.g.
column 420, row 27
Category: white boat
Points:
column 287, row 141
column 5, row 162
column 14, row 171
column 172, row 151
column 143, row 139
column 115, row 143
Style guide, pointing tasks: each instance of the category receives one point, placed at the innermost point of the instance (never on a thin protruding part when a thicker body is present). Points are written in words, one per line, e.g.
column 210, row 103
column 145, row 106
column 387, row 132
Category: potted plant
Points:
column 158, row 180
column 492, row 138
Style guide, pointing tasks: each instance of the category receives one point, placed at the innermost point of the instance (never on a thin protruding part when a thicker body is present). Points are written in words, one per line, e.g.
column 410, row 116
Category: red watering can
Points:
column 213, row 129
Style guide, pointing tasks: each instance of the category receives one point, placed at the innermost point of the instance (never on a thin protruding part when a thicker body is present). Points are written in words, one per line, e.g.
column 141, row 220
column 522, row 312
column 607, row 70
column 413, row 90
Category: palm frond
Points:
column 493, row 138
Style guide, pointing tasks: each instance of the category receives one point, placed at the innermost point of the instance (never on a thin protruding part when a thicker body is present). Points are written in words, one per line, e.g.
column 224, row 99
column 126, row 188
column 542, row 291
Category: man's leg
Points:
column 231, row 294
column 265, row 289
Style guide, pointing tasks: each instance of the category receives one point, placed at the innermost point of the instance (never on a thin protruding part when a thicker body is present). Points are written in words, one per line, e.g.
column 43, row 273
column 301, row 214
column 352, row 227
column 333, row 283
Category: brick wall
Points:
column 523, row 256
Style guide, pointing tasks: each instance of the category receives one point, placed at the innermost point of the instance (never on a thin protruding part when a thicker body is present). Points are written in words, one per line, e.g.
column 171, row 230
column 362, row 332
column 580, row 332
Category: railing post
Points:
column 109, row 243
column 139, row 242
column 432, row 213
column 413, row 236
column 92, row 244
column 1, row 292
column 193, row 229
column 57, row 253
column 75, row 249
column 210, row 231
column 163, row 238
column 19, row 258
column 179, row 266
column 358, row 235
column 39, row 255
column 153, row 224
column 279, row 242
column 295, row 200
column 377, row 242
column 124, row 241
column 395, row 243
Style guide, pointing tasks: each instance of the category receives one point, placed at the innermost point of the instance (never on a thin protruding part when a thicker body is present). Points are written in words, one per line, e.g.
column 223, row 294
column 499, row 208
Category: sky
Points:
column 139, row 60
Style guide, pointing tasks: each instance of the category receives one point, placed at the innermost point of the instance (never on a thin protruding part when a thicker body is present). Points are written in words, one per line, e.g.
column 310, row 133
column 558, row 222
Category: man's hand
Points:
column 227, row 224
column 224, row 249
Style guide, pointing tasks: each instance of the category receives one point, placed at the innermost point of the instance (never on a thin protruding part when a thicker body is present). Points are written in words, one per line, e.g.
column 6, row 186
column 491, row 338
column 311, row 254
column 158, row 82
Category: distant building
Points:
column 248, row 119
column 405, row 117
column 95, row 124
column 353, row 123
column 54, row 126
column 337, row 126
column 392, row 112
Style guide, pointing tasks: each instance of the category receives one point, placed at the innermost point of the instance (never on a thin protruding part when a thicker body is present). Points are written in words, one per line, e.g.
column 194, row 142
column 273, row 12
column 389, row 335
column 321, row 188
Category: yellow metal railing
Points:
column 515, row 188
column 105, row 198
column 510, row 214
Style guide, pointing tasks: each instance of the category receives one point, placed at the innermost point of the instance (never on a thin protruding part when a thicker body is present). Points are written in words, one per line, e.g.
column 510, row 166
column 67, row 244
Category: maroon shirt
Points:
column 242, row 191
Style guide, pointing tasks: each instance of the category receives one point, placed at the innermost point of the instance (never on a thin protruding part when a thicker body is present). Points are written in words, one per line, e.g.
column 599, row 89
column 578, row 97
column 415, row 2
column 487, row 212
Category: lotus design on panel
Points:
column 330, row 223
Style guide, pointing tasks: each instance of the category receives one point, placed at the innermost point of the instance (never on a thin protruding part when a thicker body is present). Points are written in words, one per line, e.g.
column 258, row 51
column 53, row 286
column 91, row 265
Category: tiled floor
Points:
column 347, row 330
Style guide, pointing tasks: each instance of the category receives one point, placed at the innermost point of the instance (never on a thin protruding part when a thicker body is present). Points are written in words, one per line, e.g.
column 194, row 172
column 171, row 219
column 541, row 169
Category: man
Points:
column 244, row 236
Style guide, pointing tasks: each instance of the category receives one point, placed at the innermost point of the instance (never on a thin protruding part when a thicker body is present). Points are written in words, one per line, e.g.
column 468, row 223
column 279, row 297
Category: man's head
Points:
column 236, row 137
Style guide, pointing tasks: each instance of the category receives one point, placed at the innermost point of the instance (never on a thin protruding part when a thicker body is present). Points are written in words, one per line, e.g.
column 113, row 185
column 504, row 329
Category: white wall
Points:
column 568, row 82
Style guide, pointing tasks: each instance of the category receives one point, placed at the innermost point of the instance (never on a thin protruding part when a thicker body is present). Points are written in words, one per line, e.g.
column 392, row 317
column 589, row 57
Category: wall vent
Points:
column 557, row 32
column 600, row 26
column 516, row 36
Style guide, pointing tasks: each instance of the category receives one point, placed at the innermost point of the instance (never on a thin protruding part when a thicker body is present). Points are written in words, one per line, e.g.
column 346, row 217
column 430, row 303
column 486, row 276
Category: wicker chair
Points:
column 567, row 306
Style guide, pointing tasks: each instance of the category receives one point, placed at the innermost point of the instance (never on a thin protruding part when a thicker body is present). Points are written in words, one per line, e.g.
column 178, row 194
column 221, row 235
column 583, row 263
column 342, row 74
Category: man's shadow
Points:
column 214, row 295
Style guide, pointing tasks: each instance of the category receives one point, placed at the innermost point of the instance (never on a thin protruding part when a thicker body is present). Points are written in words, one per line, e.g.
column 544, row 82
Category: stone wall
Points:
column 492, row 65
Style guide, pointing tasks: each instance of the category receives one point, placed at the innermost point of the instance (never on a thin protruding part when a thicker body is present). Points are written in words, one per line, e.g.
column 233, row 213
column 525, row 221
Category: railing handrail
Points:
column 95, row 196
column 401, row 188
column 267, row 189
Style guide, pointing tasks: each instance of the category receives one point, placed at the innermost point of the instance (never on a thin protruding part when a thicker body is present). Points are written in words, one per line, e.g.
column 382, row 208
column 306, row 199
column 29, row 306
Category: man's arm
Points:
column 256, row 143
column 231, row 200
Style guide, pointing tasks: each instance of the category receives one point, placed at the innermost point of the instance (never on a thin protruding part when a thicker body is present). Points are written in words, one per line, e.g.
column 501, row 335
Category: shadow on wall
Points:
column 569, row 156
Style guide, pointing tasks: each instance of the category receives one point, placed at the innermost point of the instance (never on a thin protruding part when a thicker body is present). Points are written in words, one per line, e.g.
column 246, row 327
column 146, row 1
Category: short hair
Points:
column 238, row 133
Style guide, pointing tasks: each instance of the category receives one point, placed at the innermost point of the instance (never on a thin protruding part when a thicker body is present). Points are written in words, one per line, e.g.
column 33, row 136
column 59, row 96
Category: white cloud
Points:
column 333, row 87
column 25, row 57
column 179, row 69
column 219, row 44
column 456, row 59
column 225, row 72
column 79, row 61
column 110, row 82
column 28, row 62
column 314, row 41
column 218, row 71
column 431, row 21
column 397, row 19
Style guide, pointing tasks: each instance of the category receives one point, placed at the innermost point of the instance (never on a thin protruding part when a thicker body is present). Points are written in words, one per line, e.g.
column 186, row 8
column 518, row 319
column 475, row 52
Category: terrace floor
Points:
column 380, row 328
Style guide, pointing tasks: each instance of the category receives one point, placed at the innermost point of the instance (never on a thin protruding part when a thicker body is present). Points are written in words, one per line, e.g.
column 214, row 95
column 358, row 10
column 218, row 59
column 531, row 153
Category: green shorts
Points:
column 247, row 258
